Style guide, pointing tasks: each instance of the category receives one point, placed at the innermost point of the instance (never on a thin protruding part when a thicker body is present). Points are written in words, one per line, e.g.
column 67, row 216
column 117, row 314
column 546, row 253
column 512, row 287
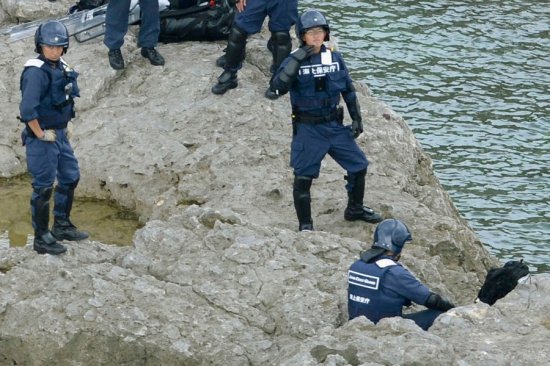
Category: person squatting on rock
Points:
column 249, row 19
column 48, row 88
column 315, row 76
column 379, row 287
column 116, row 26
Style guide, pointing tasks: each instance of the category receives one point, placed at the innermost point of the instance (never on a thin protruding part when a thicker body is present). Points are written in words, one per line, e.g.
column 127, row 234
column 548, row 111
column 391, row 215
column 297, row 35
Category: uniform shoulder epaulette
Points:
column 34, row 62
column 385, row 262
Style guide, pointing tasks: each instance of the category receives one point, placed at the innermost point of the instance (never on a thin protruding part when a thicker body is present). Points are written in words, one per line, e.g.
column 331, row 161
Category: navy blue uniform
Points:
column 44, row 88
column 381, row 288
column 116, row 23
column 282, row 15
column 316, row 92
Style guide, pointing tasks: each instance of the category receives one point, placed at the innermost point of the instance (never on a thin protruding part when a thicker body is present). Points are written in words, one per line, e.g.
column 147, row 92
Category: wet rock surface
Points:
column 219, row 275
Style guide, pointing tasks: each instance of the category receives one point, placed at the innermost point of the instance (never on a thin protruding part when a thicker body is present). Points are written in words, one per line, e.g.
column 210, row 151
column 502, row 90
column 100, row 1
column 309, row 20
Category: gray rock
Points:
column 219, row 275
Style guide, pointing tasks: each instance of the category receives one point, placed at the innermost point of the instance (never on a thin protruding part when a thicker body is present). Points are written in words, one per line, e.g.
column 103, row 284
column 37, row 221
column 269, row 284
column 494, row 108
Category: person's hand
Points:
column 303, row 52
column 356, row 128
column 240, row 5
column 70, row 128
column 49, row 136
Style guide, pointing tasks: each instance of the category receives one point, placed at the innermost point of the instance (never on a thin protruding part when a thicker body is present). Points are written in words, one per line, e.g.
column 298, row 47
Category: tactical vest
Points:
column 366, row 295
column 319, row 84
column 57, row 104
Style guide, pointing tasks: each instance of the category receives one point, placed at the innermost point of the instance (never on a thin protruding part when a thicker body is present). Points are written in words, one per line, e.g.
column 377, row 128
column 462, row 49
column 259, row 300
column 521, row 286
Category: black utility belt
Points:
column 334, row 115
column 31, row 134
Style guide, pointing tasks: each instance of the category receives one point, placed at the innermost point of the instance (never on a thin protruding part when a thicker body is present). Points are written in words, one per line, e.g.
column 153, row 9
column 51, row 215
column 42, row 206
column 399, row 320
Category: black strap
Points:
column 60, row 106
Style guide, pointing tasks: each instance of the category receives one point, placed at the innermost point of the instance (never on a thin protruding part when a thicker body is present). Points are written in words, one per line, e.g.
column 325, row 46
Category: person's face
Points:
column 52, row 53
column 315, row 37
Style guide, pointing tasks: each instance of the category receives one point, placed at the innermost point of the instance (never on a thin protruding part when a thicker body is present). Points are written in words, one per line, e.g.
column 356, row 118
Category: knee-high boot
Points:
column 356, row 191
column 63, row 228
column 234, row 57
column 44, row 241
column 280, row 45
column 302, row 202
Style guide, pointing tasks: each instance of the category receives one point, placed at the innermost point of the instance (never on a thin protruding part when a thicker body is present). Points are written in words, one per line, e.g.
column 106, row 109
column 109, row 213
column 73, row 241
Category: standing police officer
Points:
column 316, row 77
column 116, row 26
column 379, row 287
column 48, row 88
column 249, row 19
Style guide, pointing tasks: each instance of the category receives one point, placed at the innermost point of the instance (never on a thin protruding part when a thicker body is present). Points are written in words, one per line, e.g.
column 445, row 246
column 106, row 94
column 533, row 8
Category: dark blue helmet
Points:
column 391, row 235
column 310, row 19
column 51, row 33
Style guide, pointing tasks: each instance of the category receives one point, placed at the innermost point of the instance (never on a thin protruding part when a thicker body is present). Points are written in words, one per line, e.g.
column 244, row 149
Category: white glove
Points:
column 70, row 128
column 49, row 135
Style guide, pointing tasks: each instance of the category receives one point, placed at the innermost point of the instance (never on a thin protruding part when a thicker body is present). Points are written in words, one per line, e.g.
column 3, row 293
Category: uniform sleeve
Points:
column 33, row 84
column 402, row 282
column 349, row 93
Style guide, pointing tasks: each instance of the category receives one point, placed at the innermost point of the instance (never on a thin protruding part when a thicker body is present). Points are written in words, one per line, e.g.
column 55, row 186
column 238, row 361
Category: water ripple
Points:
column 471, row 79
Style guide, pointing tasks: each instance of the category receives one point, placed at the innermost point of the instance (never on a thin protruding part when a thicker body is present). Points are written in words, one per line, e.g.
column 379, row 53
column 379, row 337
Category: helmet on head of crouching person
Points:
column 390, row 235
column 51, row 33
column 311, row 19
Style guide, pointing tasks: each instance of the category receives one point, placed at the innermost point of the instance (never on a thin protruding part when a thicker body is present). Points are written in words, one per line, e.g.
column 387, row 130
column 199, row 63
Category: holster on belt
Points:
column 340, row 111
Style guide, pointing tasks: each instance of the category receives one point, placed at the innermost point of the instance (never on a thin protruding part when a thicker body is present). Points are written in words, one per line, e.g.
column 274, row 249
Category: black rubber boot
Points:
column 356, row 212
column 63, row 229
column 302, row 202
column 280, row 45
column 115, row 59
column 355, row 209
column 227, row 80
column 154, row 57
column 220, row 61
column 233, row 59
column 46, row 244
column 40, row 209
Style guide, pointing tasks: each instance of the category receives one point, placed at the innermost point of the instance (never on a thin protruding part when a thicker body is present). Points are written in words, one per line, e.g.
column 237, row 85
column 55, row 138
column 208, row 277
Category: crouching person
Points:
column 379, row 287
column 48, row 88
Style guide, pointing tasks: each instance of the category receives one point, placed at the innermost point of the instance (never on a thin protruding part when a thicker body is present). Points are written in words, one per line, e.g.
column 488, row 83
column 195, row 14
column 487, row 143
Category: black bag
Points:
column 90, row 4
column 182, row 4
column 500, row 281
column 206, row 21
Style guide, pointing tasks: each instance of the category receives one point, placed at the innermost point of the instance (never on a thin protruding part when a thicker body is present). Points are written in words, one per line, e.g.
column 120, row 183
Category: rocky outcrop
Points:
column 219, row 275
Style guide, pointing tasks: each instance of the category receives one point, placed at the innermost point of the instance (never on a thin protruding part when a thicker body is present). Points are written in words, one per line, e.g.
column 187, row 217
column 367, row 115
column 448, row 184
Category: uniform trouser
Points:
column 282, row 15
column 425, row 318
column 46, row 162
column 116, row 23
column 312, row 142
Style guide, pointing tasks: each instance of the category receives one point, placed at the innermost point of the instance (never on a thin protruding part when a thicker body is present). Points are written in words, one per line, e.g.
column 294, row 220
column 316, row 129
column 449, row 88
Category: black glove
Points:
column 356, row 128
column 356, row 120
column 437, row 302
column 303, row 52
column 282, row 82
